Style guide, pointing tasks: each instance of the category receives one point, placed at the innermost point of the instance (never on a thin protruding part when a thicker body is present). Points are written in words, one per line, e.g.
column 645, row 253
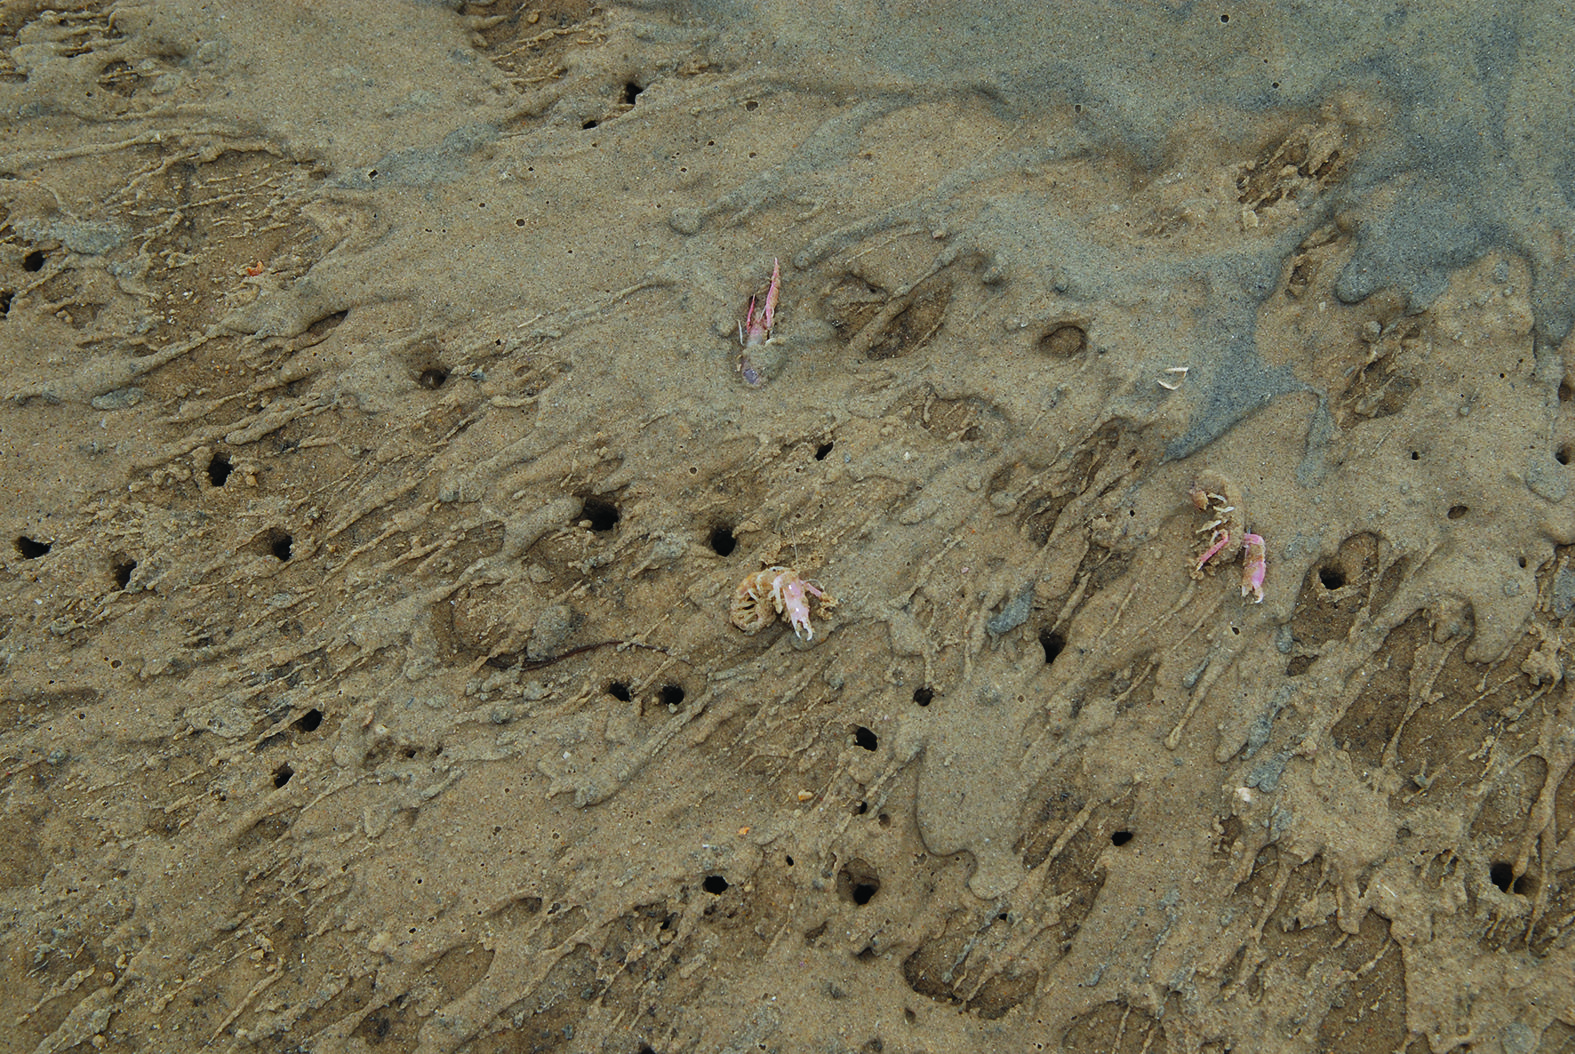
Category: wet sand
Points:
column 380, row 477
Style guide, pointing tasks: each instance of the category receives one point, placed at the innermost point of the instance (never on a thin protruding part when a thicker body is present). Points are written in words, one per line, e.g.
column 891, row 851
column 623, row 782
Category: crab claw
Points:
column 771, row 294
column 757, row 327
column 1256, row 566
column 1217, row 541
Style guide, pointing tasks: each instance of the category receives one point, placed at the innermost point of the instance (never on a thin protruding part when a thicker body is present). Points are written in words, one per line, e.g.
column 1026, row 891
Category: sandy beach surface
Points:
column 381, row 474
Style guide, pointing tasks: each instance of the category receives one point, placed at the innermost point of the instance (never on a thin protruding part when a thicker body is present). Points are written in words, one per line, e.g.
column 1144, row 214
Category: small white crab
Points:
column 777, row 591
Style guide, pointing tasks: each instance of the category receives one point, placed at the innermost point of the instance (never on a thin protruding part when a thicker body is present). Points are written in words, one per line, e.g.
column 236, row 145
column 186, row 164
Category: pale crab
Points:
column 1228, row 535
column 764, row 595
column 755, row 330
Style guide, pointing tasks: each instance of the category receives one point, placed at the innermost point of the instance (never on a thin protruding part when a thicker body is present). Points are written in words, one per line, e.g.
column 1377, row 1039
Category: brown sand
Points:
column 370, row 380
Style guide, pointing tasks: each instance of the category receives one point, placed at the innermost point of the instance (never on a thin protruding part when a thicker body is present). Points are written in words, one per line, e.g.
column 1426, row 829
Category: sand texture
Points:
column 379, row 478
